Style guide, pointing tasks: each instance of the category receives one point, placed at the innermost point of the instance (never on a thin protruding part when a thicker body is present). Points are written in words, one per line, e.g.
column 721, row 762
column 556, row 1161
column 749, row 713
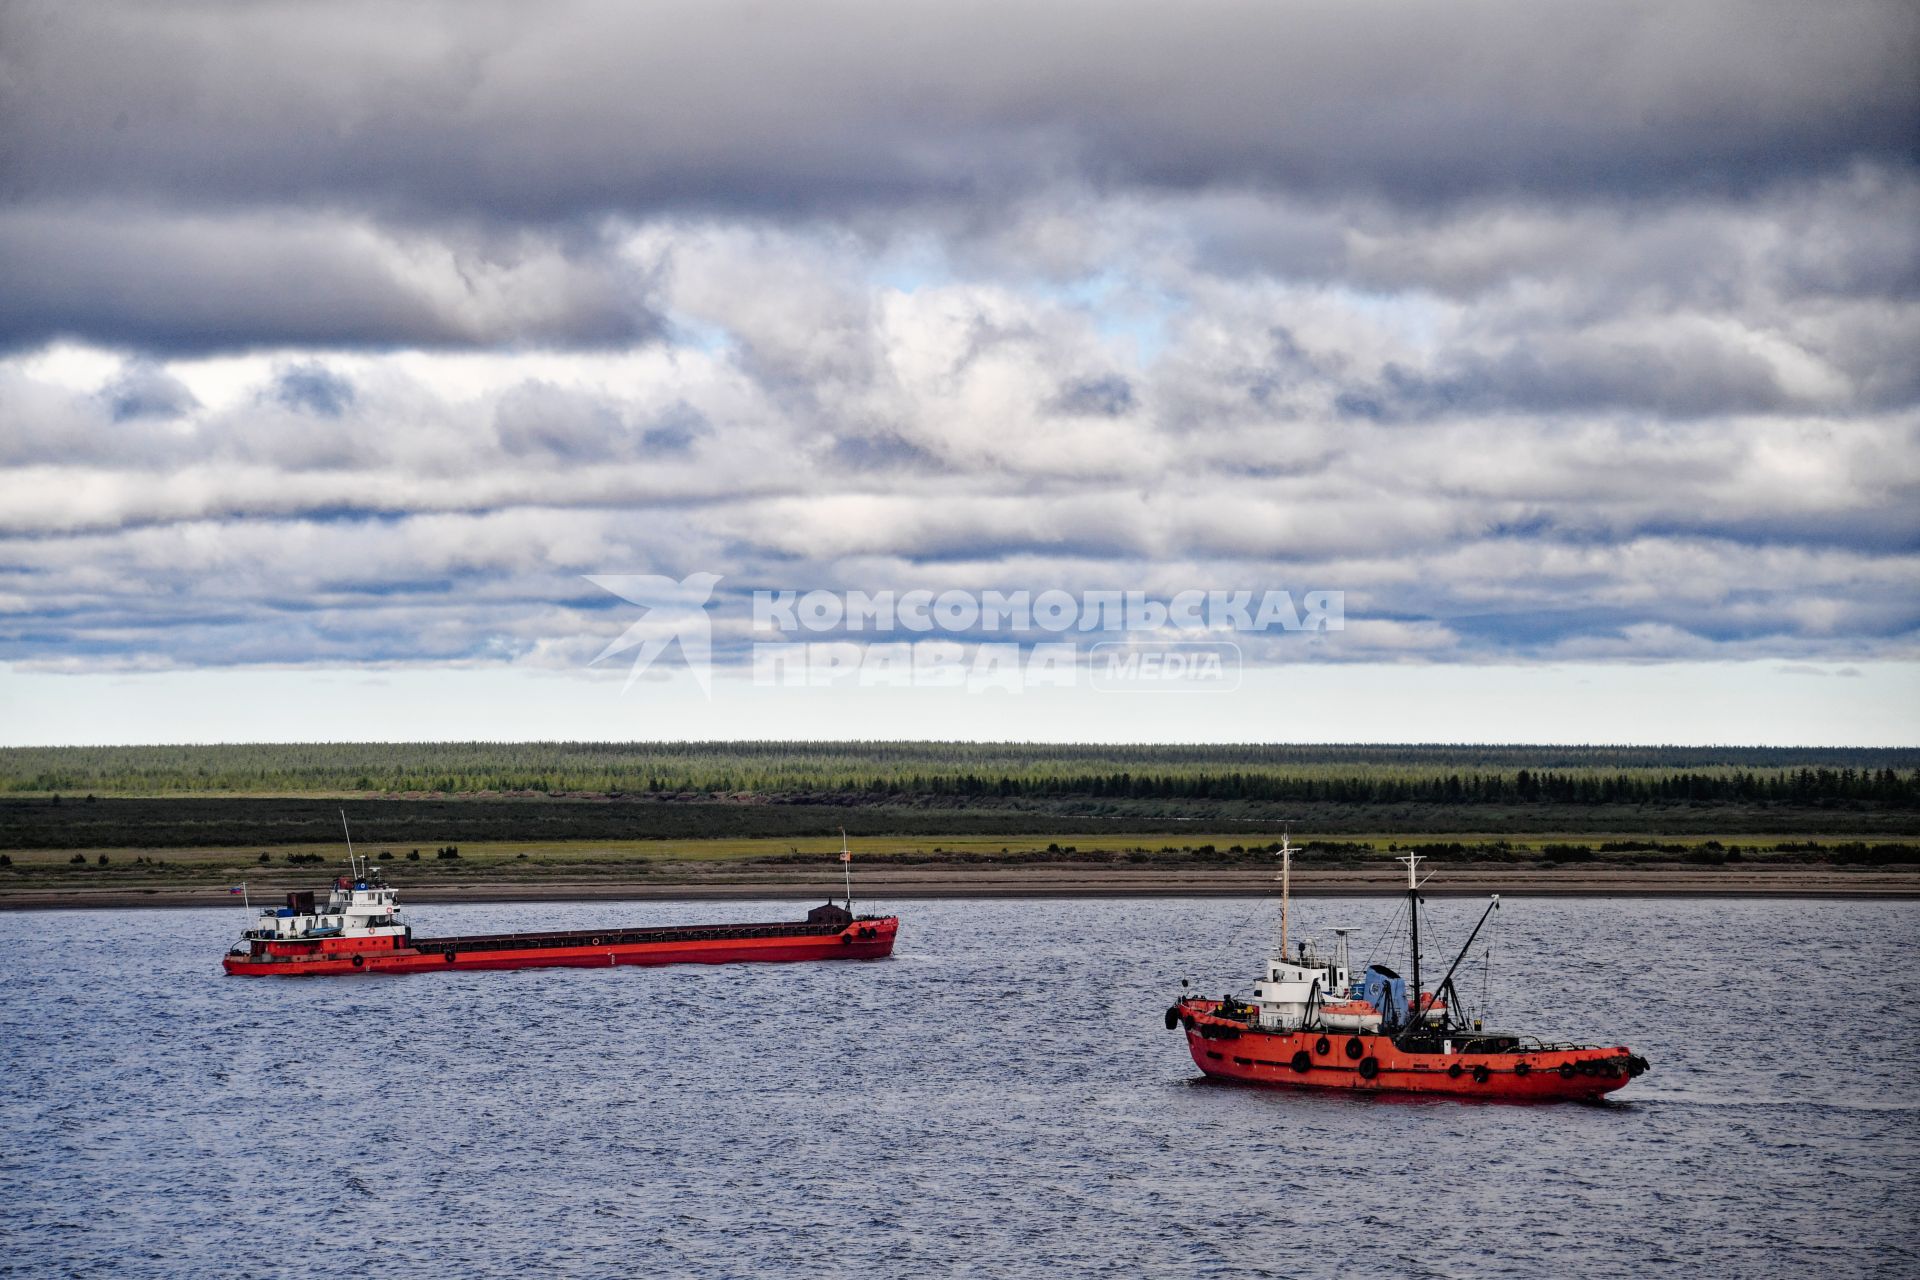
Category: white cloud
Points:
column 468, row 310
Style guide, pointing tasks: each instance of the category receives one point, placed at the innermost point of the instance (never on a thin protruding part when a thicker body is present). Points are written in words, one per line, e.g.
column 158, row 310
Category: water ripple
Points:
column 999, row 1100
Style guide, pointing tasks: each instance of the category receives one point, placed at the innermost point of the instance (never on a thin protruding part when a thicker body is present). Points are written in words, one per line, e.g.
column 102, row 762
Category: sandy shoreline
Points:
column 1048, row 882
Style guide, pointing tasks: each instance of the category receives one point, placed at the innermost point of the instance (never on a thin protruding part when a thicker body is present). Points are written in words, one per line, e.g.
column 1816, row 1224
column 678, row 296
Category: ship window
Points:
column 1211, row 1054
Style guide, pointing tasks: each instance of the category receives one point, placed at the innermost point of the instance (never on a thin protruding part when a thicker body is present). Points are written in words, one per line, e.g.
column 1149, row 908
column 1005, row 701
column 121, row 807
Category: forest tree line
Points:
column 1282, row 773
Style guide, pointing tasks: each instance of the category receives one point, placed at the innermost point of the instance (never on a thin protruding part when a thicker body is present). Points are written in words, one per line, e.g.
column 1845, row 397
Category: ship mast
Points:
column 1413, row 861
column 846, row 866
column 1286, row 887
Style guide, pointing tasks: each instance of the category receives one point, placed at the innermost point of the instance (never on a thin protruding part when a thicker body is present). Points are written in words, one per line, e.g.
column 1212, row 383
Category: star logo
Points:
column 675, row 611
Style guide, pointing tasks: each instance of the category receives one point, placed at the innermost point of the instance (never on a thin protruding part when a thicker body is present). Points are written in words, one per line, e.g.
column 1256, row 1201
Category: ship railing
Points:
column 1522, row 1044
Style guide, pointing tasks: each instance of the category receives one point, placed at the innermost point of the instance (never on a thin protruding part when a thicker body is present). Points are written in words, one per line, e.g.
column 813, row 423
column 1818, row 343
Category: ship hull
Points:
column 865, row 939
column 1369, row 1063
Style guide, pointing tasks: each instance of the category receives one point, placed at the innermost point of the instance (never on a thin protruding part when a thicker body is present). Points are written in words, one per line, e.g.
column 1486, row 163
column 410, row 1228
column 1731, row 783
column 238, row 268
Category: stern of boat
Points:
column 870, row 937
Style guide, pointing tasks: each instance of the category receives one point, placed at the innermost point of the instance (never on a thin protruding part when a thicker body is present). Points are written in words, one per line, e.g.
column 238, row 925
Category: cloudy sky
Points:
column 1575, row 343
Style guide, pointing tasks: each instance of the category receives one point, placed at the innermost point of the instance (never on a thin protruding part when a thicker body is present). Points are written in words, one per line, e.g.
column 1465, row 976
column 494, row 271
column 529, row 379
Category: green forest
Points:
column 957, row 771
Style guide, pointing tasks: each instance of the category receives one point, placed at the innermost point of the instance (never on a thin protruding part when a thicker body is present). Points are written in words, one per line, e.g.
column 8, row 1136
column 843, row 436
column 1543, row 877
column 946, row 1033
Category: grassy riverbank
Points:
column 962, row 865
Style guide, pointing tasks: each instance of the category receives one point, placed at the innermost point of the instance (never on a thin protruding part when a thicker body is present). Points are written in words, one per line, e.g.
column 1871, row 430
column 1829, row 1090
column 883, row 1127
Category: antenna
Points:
column 352, row 870
column 846, row 866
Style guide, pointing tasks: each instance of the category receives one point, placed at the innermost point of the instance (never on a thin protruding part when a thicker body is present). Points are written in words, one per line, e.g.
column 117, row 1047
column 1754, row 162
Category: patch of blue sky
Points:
column 1123, row 309
column 1147, row 332
column 697, row 335
column 910, row 265
column 1415, row 317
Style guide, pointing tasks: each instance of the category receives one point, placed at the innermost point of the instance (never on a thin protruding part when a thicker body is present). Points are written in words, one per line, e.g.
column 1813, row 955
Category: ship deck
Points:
column 628, row 937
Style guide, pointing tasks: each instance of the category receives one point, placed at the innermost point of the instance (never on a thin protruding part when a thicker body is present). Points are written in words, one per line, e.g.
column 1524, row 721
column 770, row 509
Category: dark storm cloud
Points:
column 1847, row 234
column 178, row 283
column 509, row 111
column 191, row 177
column 1696, row 380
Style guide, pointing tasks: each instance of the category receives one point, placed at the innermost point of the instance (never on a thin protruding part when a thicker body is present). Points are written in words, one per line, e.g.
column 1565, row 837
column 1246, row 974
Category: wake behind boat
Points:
column 1313, row 1023
column 359, row 929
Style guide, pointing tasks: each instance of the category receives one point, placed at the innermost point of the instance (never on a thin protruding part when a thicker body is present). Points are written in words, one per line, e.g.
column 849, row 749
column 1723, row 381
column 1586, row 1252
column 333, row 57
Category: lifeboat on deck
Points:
column 1349, row 1015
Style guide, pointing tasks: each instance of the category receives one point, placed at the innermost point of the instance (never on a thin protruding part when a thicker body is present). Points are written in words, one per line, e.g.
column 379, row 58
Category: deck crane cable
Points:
column 1416, row 1017
column 1392, row 930
column 1486, row 980
column 1446, row 945
column 1486, row 956
column 1261, row 905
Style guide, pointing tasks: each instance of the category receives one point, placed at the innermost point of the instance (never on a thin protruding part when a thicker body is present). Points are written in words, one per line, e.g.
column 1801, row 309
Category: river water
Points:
column 999, row 1099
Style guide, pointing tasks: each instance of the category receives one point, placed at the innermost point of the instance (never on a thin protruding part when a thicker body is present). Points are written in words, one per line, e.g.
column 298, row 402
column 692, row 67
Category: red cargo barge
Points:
column 359, row 929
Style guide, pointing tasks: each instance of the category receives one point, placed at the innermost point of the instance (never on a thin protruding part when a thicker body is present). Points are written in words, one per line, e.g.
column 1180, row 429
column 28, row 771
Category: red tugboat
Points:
column 1314, row 1024
column 358, row 929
